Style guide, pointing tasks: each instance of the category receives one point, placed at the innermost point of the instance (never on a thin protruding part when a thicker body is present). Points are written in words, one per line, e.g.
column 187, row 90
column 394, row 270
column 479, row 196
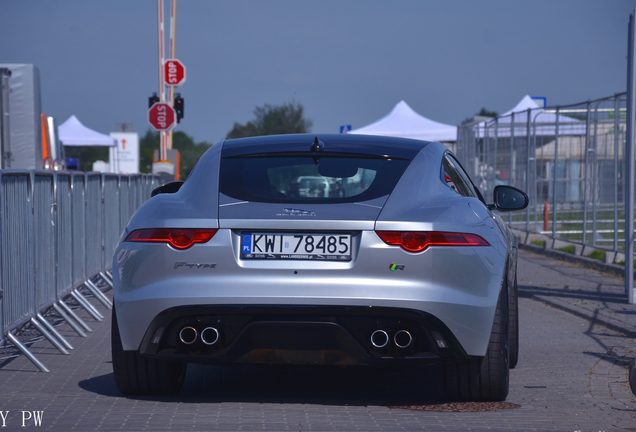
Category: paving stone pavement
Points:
column 596, row 296
column 572, row 375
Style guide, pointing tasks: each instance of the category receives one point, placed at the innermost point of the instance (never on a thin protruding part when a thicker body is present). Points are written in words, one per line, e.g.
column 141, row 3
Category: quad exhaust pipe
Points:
column 189, row 335
column 402, row 339
column 209, row 336
column 379, row 339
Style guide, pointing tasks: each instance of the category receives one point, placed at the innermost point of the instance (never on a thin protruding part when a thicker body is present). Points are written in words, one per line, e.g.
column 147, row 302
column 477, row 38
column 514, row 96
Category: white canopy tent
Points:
column 542, row 122
column 403, row 122
column 74, row 133
column 523, row 105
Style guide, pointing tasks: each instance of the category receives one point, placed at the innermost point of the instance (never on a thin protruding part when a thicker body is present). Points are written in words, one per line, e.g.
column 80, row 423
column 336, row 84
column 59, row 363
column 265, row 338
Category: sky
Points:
column 345, row 61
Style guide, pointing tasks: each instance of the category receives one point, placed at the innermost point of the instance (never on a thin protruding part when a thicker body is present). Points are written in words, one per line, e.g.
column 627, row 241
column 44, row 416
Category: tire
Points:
column 513, row 334
column 484, row 379
column 138, row 375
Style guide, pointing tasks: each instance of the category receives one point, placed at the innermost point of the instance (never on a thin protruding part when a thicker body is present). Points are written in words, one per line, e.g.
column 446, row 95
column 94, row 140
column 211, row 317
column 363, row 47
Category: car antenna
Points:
column 317, row 146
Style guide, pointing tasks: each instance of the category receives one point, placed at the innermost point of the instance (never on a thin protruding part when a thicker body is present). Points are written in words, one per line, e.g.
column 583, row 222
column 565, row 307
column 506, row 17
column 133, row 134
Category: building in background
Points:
column 21, row 147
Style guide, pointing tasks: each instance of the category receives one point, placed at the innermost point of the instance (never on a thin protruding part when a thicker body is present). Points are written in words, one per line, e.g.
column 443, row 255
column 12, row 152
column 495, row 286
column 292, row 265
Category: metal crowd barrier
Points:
column 570, row 159
column 58, row 232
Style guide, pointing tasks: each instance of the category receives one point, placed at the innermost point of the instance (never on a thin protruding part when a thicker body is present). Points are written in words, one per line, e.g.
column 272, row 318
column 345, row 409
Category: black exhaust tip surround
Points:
column 266, row 334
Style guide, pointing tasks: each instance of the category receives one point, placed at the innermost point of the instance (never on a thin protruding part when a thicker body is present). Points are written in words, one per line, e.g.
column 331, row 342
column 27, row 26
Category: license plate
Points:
column 325, row 247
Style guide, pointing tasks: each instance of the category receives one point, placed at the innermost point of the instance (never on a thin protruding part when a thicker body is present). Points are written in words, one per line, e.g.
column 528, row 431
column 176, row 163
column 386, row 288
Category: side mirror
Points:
column 169, row 188
column 508, row 198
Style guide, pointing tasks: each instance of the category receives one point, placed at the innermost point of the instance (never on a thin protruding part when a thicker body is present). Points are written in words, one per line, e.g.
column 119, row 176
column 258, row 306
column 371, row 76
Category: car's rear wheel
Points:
column 484, row 378
column 139, row 375
column 513, row 320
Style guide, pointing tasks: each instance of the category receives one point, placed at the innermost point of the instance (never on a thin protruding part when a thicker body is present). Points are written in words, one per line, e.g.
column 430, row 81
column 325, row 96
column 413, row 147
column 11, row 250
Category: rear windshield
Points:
column 330, row 178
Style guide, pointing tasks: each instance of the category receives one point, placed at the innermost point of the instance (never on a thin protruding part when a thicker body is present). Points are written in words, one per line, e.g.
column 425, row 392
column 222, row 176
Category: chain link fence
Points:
column 570, row 161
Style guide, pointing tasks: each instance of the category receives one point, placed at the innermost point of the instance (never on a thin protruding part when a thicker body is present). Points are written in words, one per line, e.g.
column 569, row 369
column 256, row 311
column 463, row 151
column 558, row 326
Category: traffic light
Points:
column 178, row 106
column 153, row 99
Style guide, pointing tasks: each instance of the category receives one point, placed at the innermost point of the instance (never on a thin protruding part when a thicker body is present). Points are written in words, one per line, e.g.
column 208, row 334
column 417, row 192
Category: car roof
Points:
column 333, row 143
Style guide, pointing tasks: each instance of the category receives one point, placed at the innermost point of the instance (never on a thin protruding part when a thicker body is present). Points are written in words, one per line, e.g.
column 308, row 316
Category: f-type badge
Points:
column 194, row 265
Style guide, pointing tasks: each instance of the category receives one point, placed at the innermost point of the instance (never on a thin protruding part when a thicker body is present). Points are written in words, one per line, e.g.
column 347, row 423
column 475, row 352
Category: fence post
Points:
column 512, row 159
column 596, row 181
column 483, row 152
column 78, row 230
column 94, row 224
column 629, row 161
column 112, row 216
column 617, row 108
column 529, row 157
column 587, row 167
column 494, row 171
column 535, row 180
column 554, row 176
column 64, row 236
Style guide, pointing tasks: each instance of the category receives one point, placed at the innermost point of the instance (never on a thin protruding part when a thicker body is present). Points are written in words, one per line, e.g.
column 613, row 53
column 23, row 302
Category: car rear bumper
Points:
column 457, row 286
column 271, row 334
column 469, row 322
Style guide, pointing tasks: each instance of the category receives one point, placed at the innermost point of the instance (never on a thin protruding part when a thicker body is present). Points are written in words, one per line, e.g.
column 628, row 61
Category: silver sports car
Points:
column 319, row 250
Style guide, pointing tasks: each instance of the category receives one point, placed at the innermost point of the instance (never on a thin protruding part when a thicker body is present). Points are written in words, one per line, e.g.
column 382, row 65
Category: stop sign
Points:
column 162, row 116
column 173, row 72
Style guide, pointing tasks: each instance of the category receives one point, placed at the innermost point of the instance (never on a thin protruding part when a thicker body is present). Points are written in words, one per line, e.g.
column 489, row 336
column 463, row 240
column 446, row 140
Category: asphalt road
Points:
column 572, row 375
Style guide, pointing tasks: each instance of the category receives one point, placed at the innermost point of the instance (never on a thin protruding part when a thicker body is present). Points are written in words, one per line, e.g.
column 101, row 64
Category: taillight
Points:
column 417, row 241
column 179, row 238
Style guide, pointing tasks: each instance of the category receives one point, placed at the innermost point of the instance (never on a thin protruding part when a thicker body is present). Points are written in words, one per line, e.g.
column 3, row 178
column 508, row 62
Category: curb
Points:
column 576, row 259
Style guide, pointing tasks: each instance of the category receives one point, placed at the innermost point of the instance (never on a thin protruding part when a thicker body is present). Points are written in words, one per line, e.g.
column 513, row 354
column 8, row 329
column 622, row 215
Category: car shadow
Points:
column 356, row 386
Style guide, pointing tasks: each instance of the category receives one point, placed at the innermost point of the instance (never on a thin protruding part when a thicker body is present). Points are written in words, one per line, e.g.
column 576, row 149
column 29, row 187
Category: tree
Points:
column 272, row 120
column 485, row 113
column 147, row 145
column 87, row 155
column 241, row 131
column 189, row 151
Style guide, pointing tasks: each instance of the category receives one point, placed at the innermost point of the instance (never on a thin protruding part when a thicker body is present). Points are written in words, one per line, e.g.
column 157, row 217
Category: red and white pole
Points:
column 173, row 43
column 162, row 94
